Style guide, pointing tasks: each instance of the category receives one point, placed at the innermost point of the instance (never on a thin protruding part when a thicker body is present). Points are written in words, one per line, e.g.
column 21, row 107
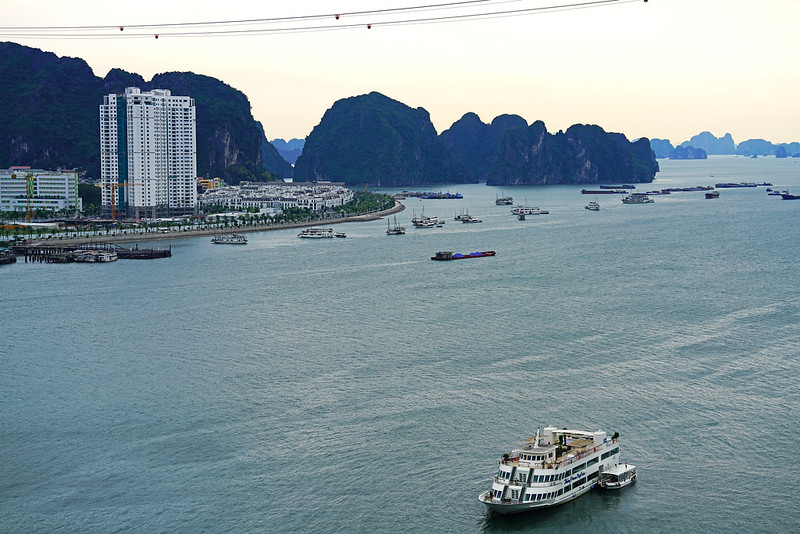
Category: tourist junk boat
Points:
column 316, row 233
column 229, row 239
column 396, row 229
column 618, row 477
column 551, row 468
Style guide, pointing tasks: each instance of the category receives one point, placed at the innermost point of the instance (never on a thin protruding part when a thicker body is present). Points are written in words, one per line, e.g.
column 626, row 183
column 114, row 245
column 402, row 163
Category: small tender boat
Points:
column 618, row 476
column 467, row 218
column 316, row 233
column 712, row 194
column 229, row 239
column 340, row 234
column 521, row 216
column 593, row 206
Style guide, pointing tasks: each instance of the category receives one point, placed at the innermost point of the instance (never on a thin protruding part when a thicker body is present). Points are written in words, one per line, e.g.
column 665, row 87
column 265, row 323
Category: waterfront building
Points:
column 23, row 187
column 279, row 196
column 148, row 153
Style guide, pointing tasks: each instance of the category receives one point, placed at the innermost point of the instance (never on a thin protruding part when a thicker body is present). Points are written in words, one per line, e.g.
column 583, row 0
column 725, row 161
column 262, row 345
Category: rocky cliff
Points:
column 476, row 144
column 584, row 154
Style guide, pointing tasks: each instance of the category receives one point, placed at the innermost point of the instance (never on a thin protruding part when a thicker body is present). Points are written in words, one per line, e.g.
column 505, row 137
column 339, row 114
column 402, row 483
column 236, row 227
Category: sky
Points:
column 664, row 69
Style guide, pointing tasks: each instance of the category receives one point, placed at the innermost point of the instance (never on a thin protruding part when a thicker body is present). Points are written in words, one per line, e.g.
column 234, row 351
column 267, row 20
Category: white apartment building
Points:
column 148, row 154
column 21, row 187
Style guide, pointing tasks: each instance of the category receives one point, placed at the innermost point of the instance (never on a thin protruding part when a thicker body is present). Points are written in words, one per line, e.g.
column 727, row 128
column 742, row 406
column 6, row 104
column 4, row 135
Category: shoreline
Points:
column 155, row 236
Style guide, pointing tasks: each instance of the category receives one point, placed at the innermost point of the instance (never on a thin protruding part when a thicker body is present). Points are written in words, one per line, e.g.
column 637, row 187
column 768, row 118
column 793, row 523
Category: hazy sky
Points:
column 666, row 68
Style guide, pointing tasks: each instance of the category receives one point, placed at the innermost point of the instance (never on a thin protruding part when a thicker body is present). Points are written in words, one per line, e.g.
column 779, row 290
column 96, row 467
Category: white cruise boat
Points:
column 316, row 233
column 524, row 210
column 94, row 256
column 549, row 469
column 229, row 239
column 637, row 198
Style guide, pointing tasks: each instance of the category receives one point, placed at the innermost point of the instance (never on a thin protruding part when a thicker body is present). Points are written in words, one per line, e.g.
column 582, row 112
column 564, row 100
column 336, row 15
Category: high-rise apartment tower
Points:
column 148, row 154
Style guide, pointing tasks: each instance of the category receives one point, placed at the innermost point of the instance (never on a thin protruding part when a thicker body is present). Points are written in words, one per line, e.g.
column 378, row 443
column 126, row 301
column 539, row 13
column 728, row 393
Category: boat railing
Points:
column 527, row 483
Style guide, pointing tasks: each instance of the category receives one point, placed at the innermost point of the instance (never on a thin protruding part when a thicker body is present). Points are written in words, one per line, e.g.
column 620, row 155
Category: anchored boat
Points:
column 229, row 239
column 551, row 468
column 448, row 255
column 618, row 476
column 316, row 233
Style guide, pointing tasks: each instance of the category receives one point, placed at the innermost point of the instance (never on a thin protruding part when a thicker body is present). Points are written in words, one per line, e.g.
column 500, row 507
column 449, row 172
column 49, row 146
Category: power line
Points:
column 86, row 32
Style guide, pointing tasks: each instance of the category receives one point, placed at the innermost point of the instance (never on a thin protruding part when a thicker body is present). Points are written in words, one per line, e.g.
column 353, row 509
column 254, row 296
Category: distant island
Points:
column 725, row 145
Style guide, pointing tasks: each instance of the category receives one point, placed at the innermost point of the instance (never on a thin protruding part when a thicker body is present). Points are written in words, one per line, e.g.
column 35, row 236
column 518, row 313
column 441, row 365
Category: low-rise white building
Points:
column 276, row 197
column 23, row 187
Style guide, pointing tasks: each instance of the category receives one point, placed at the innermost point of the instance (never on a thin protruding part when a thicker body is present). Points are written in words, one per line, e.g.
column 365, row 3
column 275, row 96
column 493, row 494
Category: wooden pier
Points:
column 54, row 253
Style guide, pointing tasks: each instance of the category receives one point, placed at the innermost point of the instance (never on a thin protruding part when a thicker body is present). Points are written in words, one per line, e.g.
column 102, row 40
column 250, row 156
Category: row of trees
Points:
column 364, row 202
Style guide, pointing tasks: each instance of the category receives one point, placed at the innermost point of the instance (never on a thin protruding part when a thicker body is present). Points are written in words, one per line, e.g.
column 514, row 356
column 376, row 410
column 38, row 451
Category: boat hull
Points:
column 523, row 507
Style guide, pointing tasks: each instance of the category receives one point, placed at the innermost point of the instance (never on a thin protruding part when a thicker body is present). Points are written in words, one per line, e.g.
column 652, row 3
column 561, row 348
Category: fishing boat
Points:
column 396, row 229
column 316, row 233
column 617, row 477
column 449, row 255
column 229, row 239
column 712, row 194
column 551, row 468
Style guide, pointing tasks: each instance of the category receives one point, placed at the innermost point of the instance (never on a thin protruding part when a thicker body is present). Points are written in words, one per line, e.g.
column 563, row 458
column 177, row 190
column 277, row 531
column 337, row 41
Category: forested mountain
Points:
column 476, row 144
column 583, row 154
column 49, row 109
column 372, row 139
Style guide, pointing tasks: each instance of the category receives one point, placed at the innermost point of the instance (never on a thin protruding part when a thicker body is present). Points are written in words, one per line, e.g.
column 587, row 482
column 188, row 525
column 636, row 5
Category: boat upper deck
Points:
column 557, row 448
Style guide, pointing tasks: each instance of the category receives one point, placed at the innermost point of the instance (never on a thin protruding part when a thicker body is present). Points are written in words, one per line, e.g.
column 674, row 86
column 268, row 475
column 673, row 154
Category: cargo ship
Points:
column 449, row 255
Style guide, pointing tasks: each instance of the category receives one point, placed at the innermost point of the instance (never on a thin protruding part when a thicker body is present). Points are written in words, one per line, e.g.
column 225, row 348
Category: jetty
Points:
column 58, row 253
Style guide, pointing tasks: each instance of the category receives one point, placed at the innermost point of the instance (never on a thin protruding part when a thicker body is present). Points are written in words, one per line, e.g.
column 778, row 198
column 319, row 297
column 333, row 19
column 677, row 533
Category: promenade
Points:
column 140, row 235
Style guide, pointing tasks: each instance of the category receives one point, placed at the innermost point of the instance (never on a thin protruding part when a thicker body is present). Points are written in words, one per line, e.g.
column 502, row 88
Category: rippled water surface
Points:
column 354, row 385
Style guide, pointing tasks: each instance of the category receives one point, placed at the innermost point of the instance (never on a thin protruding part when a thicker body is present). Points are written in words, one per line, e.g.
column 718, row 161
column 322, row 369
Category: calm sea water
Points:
column 353, row 385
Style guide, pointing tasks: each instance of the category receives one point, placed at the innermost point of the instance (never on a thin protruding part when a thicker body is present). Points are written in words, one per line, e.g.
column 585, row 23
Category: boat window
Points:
column 593, row 461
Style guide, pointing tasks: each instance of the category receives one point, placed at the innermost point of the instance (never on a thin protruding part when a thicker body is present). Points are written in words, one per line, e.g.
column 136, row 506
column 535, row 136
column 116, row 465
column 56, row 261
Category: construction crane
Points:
column 29, row 193
column 114, row 186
